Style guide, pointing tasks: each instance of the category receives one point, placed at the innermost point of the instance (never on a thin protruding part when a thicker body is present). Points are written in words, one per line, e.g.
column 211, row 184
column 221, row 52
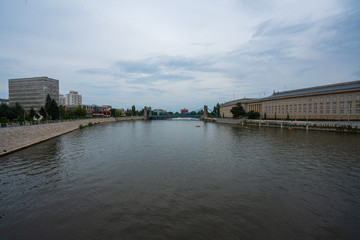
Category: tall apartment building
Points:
column 32, row 92
column 73, row 98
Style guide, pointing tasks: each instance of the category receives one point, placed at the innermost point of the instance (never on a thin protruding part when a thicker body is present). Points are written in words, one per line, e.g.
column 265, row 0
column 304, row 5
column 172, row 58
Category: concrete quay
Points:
column 16, row 138
column 335, row 126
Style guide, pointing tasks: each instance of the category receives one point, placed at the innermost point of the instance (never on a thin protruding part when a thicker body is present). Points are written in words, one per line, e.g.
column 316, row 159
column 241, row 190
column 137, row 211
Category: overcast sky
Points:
column 179, row 54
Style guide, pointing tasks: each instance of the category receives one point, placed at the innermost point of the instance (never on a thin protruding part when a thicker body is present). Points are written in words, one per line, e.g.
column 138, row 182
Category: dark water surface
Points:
column 171, row 180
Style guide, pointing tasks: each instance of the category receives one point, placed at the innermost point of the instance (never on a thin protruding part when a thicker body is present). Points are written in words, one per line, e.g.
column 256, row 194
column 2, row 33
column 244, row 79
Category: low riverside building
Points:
column 92, row 110
column 32, row 92
column 336, row 101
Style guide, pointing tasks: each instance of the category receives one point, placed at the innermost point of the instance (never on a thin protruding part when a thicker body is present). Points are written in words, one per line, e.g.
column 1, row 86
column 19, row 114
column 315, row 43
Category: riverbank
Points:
column 16, row 138
column 334, row 126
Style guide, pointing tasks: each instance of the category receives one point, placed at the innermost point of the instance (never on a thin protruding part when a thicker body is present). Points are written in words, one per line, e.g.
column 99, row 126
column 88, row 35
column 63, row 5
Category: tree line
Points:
column 50, row 111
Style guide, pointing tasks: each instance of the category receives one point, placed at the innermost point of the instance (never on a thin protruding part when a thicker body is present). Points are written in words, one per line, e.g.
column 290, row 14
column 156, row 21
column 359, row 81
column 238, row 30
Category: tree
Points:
column 113, row 112
column 62, row 112
column 217, row 109
column 47, row 105
column 238, row 111
column 53, row 110
column 133, row 110
column 253, row 115
column 32, row 113
column 42, row 112
column 128, row 113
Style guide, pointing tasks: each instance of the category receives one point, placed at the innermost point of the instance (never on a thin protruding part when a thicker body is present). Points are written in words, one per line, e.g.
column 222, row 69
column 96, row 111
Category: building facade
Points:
column 61, row 100
column 336, row 101
column 92, row 110
column 73, row 98
column 32, row 92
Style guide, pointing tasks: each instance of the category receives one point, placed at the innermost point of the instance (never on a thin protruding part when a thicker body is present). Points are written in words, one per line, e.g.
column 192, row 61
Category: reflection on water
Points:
column 170, row 179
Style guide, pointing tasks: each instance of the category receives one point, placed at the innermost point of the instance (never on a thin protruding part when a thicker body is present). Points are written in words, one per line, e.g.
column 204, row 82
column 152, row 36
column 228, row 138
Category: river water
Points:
column 172, row 180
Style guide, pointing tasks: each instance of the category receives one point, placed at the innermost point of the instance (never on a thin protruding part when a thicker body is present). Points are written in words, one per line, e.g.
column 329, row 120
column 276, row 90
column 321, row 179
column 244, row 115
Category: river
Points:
column 168, row 179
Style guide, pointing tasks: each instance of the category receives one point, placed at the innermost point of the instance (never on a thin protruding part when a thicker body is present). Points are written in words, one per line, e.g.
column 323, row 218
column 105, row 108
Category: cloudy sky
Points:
column 179, row 54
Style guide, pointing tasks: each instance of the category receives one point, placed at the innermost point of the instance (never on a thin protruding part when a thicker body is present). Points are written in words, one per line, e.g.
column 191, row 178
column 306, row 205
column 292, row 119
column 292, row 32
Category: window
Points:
column 327, row 111
column 294, row 107
column 299, row 107
column 358, row 96
column 341, row 105
column 315, row 105
column 334, row 98
column 321, row 105
column 290, row 107
column 341, row 110
column 357, row 104
column 321, row 111
column 315, row 111
column 342, row 98
column 304, row 100
column 310, row 106
column 328, row 99
column 334, row 110
column 321, row 99
column 315, row 99
column 357, row 110
column 334, row 105
column 349, row 97
column 304, row 107
column 327, row 105
column 349, row 104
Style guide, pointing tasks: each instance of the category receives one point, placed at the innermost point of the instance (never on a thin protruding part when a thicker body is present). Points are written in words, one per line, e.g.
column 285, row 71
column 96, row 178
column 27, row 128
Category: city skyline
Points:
column 172, row 55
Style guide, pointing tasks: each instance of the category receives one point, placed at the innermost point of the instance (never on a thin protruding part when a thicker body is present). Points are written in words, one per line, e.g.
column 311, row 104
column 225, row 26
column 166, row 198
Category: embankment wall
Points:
column 338, row 126
column 15, row 138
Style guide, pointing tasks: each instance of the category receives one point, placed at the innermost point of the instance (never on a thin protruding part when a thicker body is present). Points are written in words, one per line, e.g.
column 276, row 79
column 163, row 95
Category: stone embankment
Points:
column 15, row 138
column 337, row 126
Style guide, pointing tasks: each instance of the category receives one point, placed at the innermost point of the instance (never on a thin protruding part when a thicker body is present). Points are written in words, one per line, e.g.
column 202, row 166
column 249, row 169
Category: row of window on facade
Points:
column 299, row 107
column 322, row 99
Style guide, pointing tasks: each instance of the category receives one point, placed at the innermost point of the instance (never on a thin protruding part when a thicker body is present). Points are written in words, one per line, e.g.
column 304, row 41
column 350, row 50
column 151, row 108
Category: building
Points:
column 92, row 110
column 73, row 98
column 32, row 92
column 4, row 101
column 61, row 100
column 184, row 111
column 336, row 101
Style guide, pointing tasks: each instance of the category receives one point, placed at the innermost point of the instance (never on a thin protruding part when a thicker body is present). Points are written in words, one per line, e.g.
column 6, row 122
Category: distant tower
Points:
column 205, row 114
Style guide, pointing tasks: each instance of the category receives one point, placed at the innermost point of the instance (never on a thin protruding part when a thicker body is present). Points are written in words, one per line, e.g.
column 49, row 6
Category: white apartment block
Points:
column 61, row 100
column 73, row 98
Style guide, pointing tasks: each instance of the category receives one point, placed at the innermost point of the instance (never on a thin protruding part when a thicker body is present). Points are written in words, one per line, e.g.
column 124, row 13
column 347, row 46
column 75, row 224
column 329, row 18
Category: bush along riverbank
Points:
column 90, row 124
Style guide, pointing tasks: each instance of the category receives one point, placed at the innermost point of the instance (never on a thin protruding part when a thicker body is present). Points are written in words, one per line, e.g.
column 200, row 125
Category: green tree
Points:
column 47, row 106
column 113, row 112
column 53, row 110
column 133, row 110
column 237, row 111
column 253, row 115
column 128, row 113
column 4, row 121
column 32, row 113
column 80, row 112
column 62, row 112
column 42, row 112
column 217, row 110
